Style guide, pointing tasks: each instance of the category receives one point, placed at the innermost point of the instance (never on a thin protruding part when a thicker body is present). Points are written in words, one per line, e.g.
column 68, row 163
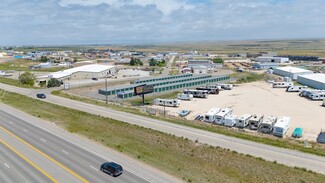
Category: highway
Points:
column 63, row 161
column 281, row 155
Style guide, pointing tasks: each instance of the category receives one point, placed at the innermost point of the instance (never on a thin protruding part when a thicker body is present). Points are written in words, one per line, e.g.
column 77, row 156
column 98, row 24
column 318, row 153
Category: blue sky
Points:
column 60, row 22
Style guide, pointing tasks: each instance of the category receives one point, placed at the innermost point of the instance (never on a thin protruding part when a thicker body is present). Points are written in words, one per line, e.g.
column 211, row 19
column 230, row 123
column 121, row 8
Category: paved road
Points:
column 281, row 155
column 165, row 72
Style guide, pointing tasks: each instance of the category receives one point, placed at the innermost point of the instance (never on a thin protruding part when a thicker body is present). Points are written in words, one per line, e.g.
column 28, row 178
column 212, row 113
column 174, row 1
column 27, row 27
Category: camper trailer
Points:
column 242, row 121
column 197, row 93
column 281, row 127
column 183, row 96
column 210, row 90
column 210, row 116
column 255, row 121
column 282, row 84
column 220, row 116
column 296, row 88
column 230, row 120
column 267, row 125
column 167, row 102
column 317, row 96
column 225, row 86
column 215, row 86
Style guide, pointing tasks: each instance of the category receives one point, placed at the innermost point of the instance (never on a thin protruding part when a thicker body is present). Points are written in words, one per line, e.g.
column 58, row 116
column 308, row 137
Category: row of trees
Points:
column 217, row 60
column 154, row 62
column 135, row 61
column 28, row 78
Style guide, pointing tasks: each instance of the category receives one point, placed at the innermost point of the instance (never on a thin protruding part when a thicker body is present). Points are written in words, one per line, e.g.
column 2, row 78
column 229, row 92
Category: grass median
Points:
column 187, row 160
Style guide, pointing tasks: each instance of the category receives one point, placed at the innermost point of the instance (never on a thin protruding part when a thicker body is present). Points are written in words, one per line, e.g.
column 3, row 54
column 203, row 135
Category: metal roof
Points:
column 316, row 77
column 293, row 69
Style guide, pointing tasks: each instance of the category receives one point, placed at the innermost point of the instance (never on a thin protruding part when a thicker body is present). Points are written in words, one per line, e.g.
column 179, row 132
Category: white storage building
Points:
column 291, row 72
column 272, row 59
column 313, row 80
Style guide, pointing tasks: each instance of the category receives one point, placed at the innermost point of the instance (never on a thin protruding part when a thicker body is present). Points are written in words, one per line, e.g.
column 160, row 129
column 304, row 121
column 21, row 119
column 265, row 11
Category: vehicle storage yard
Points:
column 261, row 98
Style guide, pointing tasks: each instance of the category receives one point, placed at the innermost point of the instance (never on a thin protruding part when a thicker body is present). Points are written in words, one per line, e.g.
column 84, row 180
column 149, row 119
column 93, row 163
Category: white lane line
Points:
column 25, row 130
column 43, row 140
column 93, row 168
column 11, row 122
column 6, row 165
column 65, row 152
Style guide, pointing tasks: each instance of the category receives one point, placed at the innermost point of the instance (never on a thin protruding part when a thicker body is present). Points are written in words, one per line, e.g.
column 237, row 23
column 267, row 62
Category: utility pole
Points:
column 106, row 90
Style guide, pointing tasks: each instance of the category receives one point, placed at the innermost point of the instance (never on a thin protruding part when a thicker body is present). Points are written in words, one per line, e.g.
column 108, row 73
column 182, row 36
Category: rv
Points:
column 255, row 121
column 167, row 102
column 323, row 102
column 281, row 127
column 197, row 93
column 225, row 86
column 220, row 116
column 183, row 96
column 267, row 125
column 230, row 120
column 317, row 96
column 242, row 121
column 210, row 116
column 214, row 87
column 210, row 90
column 282, row 84
column 296, row 88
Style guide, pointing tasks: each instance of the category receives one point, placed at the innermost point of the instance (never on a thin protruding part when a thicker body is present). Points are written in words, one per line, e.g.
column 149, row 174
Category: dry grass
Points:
column 193, row 162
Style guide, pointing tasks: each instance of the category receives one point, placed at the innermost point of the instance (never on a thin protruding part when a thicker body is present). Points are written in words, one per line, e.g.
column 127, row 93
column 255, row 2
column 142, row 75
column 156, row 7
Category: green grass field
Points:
column 187, row 160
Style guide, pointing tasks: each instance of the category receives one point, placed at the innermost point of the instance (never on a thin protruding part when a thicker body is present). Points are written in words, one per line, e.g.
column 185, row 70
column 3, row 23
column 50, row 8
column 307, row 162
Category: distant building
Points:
column 291, row 72
column 265, row 65
column 199, row 69
column 42, row 65
column 312, row 80
column 269, row 54
column 272, row 59
column 207, row 63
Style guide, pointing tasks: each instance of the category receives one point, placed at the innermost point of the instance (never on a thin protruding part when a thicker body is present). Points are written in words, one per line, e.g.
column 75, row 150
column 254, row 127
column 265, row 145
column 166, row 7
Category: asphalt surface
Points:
column 271, row 153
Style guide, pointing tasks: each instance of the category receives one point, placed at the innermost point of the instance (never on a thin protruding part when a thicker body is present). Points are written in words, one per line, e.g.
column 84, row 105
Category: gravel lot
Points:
column 261, row 98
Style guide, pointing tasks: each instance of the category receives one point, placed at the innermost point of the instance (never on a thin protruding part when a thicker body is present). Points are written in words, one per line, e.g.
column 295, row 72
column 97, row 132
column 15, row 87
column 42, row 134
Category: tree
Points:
column 152, row 62
column 53, row 82
column 135, row 61
column 27, row 78
column 217, row 60
column 44, row 59
column 75, row 59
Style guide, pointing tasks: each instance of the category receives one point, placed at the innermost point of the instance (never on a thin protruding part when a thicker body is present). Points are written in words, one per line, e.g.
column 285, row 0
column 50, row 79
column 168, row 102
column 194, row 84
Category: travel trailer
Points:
column 281, row 127
column 296, row 88
column 242, row 121
column 282, row 84
column 230, row 120
column 210, row 90
column 255, row 121
column 225, row 86
column 210, row 116
column 220, row 116
column 197, row 93
column 317, row 96
column 183, row 96
column 215, row 86
column 267, row 125
column 167, row 102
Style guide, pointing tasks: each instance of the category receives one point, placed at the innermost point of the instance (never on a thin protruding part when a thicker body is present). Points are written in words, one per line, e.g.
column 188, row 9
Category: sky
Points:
column 75, row 22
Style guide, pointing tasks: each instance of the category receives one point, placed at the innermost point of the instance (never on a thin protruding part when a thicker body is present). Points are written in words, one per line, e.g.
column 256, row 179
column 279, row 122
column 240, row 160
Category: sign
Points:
column 143, row 89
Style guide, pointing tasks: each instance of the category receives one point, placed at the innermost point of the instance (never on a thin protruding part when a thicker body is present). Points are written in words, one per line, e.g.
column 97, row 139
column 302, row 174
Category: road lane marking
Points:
column 65, row 152
column 93, row 168
column 29, row 161
column 46, row 156
column 43, row 140
column 6, row 165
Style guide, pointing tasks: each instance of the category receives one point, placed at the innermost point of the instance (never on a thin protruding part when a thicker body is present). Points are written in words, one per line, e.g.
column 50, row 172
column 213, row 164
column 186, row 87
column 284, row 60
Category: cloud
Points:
column 146, row 21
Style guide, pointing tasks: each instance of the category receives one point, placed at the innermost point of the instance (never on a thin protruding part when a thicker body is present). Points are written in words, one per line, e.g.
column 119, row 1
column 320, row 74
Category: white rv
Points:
column 220, row 116
column 324, row 102
column 255, row 121
column 282, row 84
column 296, row 88
column 197, row 93
column 281, row 127
column 210, row 116
column 183, row 96
column 267, row 125
column 242, row 121
column 214, row 86
column 317, row 96
column 225, row 86
column 230, row 120
column 167, row 102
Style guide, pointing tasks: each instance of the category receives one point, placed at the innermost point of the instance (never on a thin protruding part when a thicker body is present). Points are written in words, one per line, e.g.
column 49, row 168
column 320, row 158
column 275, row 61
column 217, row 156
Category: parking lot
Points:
column 261, row 98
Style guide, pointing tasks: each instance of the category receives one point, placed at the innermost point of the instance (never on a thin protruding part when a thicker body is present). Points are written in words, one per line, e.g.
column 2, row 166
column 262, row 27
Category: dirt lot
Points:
column 261, row 98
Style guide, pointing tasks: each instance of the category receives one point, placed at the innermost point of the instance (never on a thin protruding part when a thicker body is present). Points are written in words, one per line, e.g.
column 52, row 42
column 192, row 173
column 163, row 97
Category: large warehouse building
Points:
column 316, row 81
column 272, row 59
column 292, row 72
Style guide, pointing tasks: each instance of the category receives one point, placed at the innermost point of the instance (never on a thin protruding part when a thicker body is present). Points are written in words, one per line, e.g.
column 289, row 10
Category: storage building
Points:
column 291, row 72
column 272, row 59
column 266, row 65
column 316, row 81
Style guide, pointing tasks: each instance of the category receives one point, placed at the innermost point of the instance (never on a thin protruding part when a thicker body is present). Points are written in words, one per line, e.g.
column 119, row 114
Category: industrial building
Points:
column 208, row 63
column 199, row 69
column 162, row 84
column 266, row 65
column 291, row 72
column 82, row 72
column 272, row 59
column 316, row 81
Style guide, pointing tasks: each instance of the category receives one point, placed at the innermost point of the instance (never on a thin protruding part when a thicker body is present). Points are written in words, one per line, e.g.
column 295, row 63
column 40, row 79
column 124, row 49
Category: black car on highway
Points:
column 41, row 95
column 111, row 168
